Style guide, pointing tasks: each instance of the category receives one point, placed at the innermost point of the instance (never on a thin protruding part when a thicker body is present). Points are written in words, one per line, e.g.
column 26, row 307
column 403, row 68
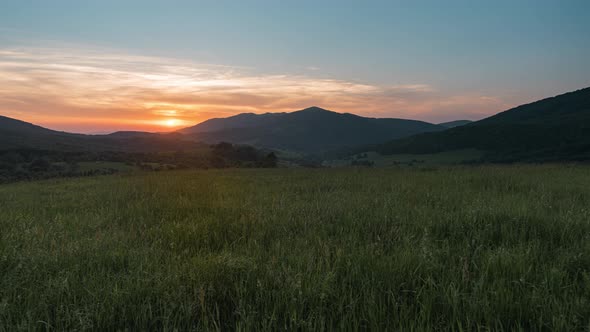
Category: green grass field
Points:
column 98, row 165
column 454, row 157
column 463, row 248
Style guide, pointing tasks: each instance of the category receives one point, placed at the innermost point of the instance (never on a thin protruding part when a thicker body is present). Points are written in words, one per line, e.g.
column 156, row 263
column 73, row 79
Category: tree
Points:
column 40, row 165
column 270, row 160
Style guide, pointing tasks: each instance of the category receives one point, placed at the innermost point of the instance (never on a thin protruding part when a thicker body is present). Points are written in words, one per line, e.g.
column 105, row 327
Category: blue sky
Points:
column 507, row 51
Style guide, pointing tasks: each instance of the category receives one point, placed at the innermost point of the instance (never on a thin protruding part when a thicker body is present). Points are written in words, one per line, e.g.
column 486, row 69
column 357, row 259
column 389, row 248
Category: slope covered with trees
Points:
column 312, row 130
column 556, row 128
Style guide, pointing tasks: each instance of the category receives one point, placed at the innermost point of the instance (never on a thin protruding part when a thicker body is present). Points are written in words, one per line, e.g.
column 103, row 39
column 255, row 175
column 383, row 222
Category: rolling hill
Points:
column 556, row 128
column 312, row 130
column 16, row 134
column 19, row 134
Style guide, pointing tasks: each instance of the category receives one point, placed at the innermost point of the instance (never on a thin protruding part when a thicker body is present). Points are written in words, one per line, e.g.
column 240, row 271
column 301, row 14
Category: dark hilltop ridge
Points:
column 311, row 130
column 552, row 129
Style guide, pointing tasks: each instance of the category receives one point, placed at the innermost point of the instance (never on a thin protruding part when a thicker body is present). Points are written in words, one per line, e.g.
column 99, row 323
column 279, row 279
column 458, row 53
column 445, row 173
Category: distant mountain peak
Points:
column 311, row 130
column 315, row 109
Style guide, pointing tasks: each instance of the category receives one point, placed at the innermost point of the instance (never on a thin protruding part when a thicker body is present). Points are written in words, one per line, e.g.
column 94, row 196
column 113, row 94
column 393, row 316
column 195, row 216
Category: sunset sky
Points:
column 101, row 66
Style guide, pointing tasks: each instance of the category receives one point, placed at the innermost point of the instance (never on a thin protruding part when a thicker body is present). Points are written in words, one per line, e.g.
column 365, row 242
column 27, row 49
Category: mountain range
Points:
column 556, row 128
column 309, row 131
column 312, row 130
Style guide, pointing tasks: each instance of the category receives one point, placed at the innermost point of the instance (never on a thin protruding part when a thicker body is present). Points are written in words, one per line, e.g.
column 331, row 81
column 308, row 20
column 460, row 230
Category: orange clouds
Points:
column 91, row 91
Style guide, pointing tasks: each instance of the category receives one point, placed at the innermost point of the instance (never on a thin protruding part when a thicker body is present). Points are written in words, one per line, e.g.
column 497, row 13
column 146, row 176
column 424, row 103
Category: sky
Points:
column 103, row 66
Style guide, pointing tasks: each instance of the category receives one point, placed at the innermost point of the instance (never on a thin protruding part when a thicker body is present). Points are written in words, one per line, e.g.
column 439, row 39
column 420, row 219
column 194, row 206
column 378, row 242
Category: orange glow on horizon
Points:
column 77, row 91
column 171, row 123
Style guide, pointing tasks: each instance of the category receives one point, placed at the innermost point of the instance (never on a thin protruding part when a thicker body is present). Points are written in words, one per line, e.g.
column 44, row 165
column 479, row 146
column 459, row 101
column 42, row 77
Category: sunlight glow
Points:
column 151, row 93
column 171, row 123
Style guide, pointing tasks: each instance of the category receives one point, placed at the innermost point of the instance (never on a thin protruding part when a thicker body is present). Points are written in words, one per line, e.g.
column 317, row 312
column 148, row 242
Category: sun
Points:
column 170, row 123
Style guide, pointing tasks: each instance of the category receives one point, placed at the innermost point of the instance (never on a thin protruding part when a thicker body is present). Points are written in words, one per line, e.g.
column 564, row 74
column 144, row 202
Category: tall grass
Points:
column 486, row 248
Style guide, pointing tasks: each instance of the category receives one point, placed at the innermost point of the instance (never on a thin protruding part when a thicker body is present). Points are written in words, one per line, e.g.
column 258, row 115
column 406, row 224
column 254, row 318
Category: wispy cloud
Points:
column 92, row 90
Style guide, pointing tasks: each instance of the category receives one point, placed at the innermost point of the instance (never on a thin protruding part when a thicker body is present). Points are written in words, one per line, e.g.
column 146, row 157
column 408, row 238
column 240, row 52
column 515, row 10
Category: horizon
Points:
column 155, row 66
column 174, row 128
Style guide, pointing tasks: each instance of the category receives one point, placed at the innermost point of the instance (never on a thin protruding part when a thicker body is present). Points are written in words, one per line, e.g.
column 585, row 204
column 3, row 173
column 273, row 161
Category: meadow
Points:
column 447, row 158
column 444, row 248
